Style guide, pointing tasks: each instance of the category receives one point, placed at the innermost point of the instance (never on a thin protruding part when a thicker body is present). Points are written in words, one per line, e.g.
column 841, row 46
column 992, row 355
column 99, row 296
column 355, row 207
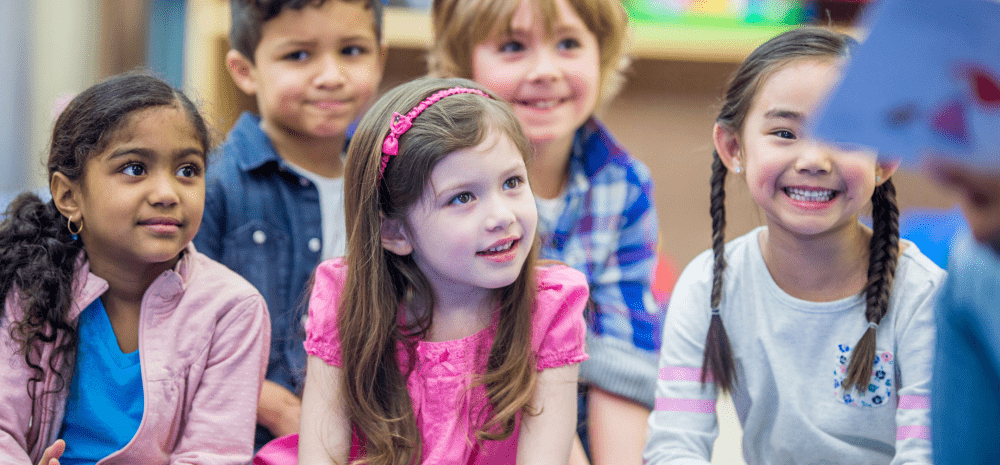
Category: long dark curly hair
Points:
column 38, row 254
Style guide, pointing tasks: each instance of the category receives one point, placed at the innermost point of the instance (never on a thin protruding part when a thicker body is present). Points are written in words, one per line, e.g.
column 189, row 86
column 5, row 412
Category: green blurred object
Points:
column 718, row 12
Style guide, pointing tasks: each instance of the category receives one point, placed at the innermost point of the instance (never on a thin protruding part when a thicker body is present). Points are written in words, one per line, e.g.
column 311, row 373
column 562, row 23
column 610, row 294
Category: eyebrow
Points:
column 145, row 153
column 780, row 113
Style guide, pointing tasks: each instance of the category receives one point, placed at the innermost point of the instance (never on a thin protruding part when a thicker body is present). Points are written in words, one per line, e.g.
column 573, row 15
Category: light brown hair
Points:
column 460, row 25
column 808, row 43
column 380, row 283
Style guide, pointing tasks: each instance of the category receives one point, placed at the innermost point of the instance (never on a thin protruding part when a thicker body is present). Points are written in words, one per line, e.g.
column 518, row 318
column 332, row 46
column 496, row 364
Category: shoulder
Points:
column 208, row 277
column 916, row 270
column 332, row 272
column 559, row 279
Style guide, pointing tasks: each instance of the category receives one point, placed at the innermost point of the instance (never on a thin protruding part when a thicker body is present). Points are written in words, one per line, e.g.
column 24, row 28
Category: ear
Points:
column 394, row 237
column 727, row 144
column 243, row 72
column 66, row 196
column 884, row 170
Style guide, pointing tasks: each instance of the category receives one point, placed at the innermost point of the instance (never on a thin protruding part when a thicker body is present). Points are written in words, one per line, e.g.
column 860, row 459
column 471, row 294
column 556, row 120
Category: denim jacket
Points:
column 263, row 221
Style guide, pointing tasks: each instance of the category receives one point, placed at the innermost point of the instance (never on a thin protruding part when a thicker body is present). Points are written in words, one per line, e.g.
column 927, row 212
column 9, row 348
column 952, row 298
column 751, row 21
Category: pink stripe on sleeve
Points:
column 683, row 374
column 907, row 432
column 668, row 404
column 912, row 402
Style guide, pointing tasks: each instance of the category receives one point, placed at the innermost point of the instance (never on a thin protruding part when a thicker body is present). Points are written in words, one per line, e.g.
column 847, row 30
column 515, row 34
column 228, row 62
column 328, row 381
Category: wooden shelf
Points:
column 206, row 78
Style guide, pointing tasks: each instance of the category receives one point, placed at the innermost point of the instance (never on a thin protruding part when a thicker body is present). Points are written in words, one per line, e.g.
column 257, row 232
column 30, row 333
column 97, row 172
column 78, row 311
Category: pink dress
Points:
column 447, row 412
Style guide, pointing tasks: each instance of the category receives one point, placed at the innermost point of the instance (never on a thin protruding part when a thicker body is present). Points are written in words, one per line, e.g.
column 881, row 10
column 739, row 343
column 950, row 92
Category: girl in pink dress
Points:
column 439, row 339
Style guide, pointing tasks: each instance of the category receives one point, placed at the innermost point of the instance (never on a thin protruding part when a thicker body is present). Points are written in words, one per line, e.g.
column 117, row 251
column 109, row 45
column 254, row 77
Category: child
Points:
column 119, row 341
column 555, row 61
column 967, row 366
column 460, row 349
column 274, row 205
column 794, row 297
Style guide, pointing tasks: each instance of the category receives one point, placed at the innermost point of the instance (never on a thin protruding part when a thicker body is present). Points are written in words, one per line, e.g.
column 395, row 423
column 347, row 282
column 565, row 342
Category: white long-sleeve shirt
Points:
column 791, row 357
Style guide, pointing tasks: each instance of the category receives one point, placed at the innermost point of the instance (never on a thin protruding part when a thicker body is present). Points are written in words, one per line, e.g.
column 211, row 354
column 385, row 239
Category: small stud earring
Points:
column 878, row 179
column 737, row 169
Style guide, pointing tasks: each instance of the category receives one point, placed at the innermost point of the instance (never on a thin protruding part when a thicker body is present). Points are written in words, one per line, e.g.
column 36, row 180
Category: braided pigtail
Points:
column 718, row 353
column 883, row 256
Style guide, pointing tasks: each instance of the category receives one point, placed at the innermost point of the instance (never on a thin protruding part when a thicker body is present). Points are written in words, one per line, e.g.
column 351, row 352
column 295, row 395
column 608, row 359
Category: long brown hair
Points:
column 804, row 43
column 380, row 284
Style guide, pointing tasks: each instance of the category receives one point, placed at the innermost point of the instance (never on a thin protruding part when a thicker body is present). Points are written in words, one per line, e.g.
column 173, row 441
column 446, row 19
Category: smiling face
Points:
column 314, row 70
column 552, row 79
column 141, row 199
column 473, row 228
column 804, row 187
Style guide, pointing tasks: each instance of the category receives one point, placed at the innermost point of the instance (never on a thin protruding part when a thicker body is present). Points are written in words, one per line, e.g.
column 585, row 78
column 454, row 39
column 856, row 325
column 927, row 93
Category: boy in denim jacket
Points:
column 274, row 196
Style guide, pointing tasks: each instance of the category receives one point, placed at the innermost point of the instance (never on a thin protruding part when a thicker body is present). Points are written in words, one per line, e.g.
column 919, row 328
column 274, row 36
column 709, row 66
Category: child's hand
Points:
column 53, row 452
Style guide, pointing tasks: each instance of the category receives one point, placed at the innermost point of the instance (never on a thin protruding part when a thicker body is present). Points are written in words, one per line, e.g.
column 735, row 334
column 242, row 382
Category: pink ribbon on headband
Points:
column 402, row 123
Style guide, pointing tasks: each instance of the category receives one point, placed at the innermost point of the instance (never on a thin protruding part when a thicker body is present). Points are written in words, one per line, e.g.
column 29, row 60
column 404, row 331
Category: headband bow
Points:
column 402, row 123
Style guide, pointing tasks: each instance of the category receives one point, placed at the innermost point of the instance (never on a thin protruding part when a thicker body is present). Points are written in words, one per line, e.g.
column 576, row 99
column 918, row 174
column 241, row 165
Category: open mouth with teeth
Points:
column 810, row 195
column 542, row 104
column 500, row 249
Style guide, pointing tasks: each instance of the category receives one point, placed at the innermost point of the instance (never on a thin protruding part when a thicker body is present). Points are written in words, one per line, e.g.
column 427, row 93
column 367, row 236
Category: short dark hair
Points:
column 247, row 18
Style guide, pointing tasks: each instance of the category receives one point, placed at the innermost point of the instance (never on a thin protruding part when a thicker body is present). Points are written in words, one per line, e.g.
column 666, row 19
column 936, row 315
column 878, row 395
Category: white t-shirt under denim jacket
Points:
column 791, row 357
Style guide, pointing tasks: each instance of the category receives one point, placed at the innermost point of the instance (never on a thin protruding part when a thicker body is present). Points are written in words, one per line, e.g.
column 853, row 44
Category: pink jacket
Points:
column 204, row 336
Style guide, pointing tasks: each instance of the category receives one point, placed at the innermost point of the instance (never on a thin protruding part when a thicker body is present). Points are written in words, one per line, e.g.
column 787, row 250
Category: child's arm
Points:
column 15, row 404
column 914, row 359
column 617, row 428
column 325, row 435
column 546, row 438
column 683, row 426
column 225, row 399
column 278, row 409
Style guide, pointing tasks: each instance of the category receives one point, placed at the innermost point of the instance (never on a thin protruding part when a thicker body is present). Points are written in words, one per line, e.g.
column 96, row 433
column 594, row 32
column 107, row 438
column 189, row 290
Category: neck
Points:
column 820, row 268
column 549, row 167
column 460, row 314
column 316, row 155
column 127, row 283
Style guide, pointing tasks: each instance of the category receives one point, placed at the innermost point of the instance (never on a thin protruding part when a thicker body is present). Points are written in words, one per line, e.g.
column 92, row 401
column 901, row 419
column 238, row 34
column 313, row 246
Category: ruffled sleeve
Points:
column 322, row 337
column 559, row 328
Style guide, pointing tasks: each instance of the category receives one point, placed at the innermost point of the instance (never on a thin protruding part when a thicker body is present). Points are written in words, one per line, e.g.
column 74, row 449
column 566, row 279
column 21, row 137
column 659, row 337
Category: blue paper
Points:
column 925, row 81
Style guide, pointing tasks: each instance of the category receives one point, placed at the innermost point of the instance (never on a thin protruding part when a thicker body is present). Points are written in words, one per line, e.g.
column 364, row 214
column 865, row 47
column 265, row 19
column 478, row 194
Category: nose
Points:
column 163, row 191
column 815, row 159
column 330, row 73
column 544, row 67
column 501, row 215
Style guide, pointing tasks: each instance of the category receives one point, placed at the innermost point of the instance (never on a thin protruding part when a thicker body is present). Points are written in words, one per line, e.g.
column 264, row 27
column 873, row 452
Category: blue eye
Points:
column 133, row 169
column 298, row 55
column 461, row 199
column 784, row 134
column 567, row 44
column 512, row 47
column 353, row 50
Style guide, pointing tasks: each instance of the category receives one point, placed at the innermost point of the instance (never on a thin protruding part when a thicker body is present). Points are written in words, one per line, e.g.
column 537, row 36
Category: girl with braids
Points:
column 439, row 339
column 119, row 343
column 819, row 327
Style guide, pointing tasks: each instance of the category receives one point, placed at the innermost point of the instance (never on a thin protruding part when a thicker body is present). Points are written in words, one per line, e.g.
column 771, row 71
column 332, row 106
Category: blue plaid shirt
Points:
column 608, row 230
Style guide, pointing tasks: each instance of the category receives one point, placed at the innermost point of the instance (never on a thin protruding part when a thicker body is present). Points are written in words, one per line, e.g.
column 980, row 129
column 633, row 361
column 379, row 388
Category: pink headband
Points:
column 402, row 123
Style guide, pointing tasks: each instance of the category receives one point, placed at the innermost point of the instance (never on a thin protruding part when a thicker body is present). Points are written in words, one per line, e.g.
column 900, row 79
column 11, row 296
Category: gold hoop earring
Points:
column 69, row 225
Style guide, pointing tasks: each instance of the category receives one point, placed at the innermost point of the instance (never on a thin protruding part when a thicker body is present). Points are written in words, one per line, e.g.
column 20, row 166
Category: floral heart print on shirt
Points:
column 880, row 388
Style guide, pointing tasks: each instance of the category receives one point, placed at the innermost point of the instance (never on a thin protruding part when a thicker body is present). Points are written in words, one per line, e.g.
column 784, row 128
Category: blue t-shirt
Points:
column 105, row 394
